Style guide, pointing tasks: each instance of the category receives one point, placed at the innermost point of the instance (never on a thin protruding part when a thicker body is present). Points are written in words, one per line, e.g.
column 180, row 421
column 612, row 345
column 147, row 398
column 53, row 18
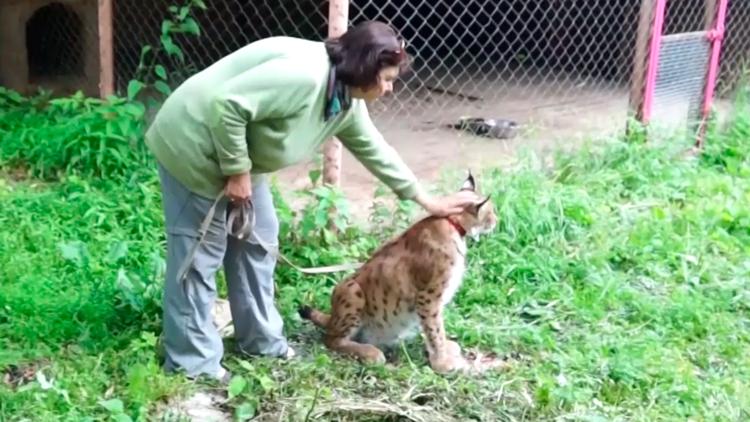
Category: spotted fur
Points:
column 403, row 288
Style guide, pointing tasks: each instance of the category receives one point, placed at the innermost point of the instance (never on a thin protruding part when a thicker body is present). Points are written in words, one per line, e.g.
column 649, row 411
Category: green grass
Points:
column 616, row 282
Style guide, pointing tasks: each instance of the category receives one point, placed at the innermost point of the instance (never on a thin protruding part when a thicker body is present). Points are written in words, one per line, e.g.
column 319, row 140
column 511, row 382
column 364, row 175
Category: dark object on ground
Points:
column 455, row 94
column 492, row 128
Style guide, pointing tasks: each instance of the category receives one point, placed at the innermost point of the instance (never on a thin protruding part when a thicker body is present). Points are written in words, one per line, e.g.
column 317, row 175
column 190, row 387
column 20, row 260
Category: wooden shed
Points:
column 63, row 45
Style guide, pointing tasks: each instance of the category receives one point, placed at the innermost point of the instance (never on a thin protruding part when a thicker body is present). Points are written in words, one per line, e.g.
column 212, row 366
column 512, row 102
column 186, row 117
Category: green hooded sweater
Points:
column 260, row 109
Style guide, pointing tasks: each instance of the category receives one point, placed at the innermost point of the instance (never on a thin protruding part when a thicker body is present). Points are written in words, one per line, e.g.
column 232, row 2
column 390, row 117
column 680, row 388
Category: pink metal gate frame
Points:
column 715, row 35
column 657, row 30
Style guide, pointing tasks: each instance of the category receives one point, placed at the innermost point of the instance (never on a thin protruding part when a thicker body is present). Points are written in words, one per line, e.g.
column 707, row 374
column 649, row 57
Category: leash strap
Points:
column 240, row 223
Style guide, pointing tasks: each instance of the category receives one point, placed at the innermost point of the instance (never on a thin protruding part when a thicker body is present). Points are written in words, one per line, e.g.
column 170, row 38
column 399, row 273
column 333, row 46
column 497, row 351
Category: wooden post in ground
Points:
column 106, row 55
column 640, row 59
column 338, row 19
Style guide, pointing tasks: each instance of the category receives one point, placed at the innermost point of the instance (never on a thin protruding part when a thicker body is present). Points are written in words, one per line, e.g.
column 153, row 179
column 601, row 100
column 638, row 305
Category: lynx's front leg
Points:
column 444, row 355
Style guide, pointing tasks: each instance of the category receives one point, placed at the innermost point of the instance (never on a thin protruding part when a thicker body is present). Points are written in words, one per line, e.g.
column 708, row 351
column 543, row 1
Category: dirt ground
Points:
column 552, row 114
column 554, row 110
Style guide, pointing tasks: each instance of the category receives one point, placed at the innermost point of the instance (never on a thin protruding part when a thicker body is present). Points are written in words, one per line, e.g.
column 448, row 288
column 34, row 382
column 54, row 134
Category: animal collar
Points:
column 459, row 228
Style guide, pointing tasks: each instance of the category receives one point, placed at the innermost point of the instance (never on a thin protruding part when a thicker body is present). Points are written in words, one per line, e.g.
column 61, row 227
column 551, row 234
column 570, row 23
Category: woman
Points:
column 269, row 105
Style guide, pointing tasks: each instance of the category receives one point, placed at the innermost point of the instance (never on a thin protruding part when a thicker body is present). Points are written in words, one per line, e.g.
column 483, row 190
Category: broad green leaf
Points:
column 134, row 87
column 113, row 405
column 162, row 87
column 314, row 176
column 236, row 385
column 170, row 47
column 266, row 383
column 74, row 252
column 166, row 26
column 247, row 366
column 145, row 50
column 160, row 71
column 117, row 251
column 191, row 26
column 184, row 10
column 134, row 109
column 123, row 281
column 245, row 411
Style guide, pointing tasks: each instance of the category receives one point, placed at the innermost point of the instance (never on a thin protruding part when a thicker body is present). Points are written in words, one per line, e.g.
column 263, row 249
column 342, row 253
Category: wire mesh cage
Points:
column 681, row 77
column 484, row 58
column 682, row 62
column 224, row 26
column 546, row 62
column 735, row 53
column 479, row 57
column 505, row 59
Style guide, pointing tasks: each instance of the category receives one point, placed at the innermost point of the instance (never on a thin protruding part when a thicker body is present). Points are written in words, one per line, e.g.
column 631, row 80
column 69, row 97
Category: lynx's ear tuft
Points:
column 469, row 184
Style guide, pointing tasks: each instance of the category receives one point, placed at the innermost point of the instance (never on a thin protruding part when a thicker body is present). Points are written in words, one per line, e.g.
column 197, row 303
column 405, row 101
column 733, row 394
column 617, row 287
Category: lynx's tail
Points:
column 318, row 318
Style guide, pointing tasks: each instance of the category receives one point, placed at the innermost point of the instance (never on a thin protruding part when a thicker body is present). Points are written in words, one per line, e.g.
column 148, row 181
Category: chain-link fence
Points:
column 225, row 26
column 508, row 59
column 735, row 54
column 554, row 65
column 534, row 62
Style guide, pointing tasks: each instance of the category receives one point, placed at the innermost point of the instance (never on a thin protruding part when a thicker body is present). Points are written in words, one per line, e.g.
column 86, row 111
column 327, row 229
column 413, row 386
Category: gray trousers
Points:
column 191, row 340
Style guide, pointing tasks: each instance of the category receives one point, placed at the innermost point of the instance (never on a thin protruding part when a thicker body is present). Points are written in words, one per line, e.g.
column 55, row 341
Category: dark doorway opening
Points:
column 54, row 43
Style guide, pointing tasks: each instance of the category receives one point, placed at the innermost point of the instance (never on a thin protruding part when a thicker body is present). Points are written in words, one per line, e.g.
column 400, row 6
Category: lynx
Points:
column 403, row 287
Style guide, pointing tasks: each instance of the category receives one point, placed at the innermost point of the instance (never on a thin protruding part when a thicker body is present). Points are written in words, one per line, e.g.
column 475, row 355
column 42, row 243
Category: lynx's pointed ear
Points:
column 469, row 183
column 476, row 207
column 487, row 199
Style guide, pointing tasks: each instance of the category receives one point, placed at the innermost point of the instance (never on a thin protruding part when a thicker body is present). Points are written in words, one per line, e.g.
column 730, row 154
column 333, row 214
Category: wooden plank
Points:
column 106, row 55
column 683, row 36
column 338, row 19
column 640, row 58
column 710, row 14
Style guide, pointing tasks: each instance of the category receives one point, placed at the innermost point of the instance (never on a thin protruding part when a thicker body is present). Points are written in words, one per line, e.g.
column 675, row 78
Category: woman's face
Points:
column 386, row 76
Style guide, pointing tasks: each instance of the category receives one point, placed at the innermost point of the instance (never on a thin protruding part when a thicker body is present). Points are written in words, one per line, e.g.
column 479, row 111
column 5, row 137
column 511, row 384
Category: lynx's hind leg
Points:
column 348, row 304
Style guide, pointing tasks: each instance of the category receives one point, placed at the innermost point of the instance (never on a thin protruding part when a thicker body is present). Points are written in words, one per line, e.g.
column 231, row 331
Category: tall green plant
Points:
column 89, row 136
column 151, row 72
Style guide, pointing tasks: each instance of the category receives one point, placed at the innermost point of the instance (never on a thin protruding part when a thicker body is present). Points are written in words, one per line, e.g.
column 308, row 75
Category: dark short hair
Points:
column 362, row 51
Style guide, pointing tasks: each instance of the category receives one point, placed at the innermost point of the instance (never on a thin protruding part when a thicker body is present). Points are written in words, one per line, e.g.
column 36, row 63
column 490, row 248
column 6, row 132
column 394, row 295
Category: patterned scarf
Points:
column 338, row 97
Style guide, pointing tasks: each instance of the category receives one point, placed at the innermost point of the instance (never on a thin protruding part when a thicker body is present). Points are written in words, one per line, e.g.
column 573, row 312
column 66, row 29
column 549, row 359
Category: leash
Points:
column 241, row 224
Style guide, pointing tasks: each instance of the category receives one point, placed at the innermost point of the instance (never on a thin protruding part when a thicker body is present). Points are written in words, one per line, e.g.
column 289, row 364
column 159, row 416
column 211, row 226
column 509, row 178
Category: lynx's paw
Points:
column 452, row 348
column 371, row 354
column 447, row 363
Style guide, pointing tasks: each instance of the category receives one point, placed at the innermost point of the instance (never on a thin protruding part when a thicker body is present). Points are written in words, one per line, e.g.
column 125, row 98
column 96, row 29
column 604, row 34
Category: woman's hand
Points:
column 238, row 187
column 447, row 205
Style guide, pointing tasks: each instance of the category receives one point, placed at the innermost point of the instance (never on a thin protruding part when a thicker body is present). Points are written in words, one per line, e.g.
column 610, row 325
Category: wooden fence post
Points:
column 106, row 55
column 640, row 59
column 338, row 20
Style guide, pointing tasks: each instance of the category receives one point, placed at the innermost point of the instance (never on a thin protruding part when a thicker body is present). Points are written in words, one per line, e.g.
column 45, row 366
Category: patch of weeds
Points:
column 616, row 283
column 54, row 136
